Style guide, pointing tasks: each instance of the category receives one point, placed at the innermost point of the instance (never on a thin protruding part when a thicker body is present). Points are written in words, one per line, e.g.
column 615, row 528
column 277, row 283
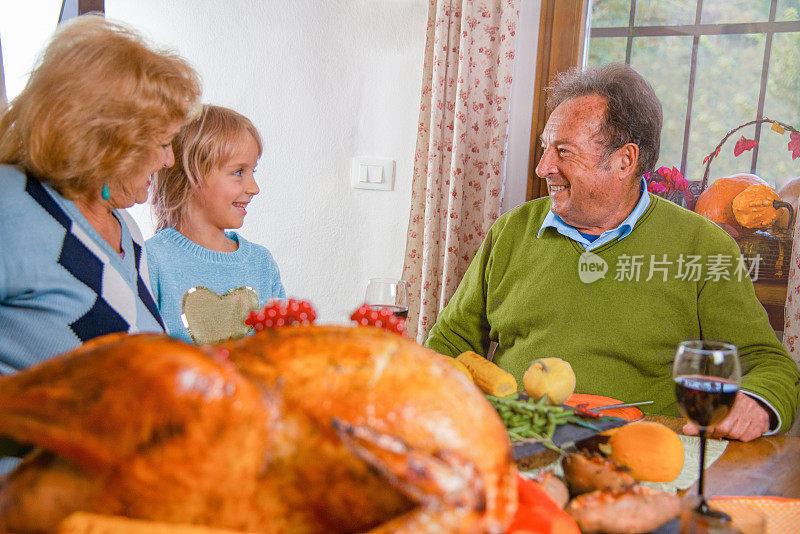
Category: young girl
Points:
column 206, row 192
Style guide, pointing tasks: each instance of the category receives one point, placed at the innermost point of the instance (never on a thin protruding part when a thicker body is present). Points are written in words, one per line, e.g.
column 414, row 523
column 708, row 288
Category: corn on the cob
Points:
column 88, row 523
column 461, row 367
column 487, row 376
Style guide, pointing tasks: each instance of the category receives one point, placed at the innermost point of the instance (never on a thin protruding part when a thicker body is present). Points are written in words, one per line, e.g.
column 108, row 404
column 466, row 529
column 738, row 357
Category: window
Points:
column 25, row 29
column 715, row 64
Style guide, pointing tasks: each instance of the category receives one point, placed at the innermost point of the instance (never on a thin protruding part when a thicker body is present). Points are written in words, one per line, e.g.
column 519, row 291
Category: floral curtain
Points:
column 791, row 325
column 461, row 141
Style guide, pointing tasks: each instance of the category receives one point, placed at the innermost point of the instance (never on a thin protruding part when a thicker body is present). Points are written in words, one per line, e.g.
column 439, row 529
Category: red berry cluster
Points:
column 366, row 315
column 290, row 312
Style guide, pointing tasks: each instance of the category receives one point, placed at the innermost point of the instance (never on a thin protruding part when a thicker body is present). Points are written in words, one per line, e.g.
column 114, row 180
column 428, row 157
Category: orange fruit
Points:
column 650, row 450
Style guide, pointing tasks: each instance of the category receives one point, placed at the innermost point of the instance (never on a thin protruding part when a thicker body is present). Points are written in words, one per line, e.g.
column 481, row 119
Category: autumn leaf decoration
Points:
column 794, row 144
column 665, row 180
column 712, row 155
column 743, row 145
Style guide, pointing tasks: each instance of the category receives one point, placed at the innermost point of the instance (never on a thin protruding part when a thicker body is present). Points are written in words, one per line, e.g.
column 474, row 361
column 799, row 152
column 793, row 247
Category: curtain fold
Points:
column 461, row 145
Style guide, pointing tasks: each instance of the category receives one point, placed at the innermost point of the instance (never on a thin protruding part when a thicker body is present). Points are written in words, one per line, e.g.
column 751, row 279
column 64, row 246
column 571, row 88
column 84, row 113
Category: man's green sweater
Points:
column 541, row 297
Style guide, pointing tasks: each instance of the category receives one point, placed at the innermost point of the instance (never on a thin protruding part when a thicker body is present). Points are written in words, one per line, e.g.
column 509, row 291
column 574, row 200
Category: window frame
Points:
column 72, row 8
column 697, row 30
column 562, row 44
column 562, row 26
column 79, row 7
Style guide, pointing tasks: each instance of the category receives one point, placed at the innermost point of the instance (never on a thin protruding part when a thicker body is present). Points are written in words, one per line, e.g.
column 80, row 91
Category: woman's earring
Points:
column 105, row 193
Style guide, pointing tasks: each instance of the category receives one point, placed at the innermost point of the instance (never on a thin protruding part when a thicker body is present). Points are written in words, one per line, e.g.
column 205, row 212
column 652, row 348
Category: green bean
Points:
column 526, row 419
column 529, row 419
column 551, row 428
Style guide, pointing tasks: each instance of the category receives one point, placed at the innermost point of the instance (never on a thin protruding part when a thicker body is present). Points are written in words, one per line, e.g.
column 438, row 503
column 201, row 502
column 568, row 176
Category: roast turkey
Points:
column 305, row 429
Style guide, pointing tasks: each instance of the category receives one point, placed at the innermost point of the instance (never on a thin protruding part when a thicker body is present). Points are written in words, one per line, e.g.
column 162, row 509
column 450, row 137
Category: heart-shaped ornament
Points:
column 211, row 318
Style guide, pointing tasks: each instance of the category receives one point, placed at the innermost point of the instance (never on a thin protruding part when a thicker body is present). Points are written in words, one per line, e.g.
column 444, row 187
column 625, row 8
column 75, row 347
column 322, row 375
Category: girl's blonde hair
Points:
column 202, row 146
column 95, row 106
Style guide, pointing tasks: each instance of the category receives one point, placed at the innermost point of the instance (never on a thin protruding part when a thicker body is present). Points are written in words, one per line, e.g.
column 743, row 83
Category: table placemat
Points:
column 783, row 515
column 691, row 463
column 688, row 475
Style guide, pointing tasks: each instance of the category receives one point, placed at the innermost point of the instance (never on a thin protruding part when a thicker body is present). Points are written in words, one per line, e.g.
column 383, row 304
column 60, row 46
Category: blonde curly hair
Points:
column 203, row 145
column 94, row 107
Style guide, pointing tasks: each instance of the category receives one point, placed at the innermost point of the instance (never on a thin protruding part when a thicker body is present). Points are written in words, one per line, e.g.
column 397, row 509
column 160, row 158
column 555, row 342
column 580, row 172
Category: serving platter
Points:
column 565, row 435
column 591, row 402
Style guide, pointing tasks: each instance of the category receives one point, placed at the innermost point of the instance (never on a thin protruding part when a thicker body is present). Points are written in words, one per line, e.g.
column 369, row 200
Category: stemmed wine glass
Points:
column 388, row 293
column 707, row 376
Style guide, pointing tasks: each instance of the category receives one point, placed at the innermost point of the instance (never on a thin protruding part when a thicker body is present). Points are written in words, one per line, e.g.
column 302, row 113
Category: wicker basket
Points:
column 774, row 247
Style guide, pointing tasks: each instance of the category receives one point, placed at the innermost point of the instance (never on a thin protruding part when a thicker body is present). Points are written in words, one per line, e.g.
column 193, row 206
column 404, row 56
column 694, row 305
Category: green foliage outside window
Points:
column 727, row 80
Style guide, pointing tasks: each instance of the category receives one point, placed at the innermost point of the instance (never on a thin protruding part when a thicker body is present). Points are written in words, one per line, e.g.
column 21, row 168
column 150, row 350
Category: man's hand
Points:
column 747, row 421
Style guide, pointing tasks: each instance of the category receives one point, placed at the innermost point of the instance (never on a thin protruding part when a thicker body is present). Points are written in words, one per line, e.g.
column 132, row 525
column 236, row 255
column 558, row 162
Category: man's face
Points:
column 587, row 191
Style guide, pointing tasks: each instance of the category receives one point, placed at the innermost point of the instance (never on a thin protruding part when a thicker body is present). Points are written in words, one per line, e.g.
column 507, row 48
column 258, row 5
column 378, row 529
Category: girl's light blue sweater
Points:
column 177, row 264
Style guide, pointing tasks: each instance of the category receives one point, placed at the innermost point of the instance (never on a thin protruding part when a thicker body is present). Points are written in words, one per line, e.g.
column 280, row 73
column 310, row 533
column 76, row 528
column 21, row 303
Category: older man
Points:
column 611, row 278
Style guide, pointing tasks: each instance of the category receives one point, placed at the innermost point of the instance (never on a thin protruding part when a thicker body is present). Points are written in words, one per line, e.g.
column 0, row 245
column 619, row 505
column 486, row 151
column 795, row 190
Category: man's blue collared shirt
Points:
column 626, row 227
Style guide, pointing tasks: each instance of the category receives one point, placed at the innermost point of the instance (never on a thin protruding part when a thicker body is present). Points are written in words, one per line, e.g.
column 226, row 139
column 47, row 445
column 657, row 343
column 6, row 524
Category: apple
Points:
column 552, row 377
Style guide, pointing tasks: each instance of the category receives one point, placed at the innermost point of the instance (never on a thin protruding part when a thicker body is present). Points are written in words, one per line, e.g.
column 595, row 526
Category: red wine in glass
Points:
column 704, row 400
column 388, row 293
column 398, row 311
column 707, row 375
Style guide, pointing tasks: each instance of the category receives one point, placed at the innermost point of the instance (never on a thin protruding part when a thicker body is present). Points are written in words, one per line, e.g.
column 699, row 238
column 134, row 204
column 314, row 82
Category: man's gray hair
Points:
column 633, row 112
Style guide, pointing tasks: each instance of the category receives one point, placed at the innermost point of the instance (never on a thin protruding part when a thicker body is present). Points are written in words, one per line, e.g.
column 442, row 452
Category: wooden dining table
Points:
column 765, row 466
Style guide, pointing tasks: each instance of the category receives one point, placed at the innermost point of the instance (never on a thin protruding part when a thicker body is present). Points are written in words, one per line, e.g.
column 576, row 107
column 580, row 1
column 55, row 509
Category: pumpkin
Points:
column 758, row 206
column 715, row 202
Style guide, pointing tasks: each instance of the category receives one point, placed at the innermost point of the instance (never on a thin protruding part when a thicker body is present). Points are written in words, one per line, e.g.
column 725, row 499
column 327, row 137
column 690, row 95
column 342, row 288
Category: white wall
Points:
column 323, row 81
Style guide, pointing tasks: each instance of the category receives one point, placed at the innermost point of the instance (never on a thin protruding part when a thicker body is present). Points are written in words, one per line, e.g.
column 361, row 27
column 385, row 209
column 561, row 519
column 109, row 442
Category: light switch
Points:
column 375, row 174
column 372, row 173
column 363, row 174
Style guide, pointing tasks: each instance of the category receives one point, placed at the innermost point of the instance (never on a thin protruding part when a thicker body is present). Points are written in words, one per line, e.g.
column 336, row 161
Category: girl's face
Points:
column 221, row 201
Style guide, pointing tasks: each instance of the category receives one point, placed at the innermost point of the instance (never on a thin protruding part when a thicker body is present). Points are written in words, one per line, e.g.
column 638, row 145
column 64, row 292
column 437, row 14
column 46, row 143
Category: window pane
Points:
column 603, row 50
column 726, row 95
column 653, row 58
column 788, row 10
column 782, row 103
column 665, row 12
column 25, row 28
column 610, row 13
column 720, row 11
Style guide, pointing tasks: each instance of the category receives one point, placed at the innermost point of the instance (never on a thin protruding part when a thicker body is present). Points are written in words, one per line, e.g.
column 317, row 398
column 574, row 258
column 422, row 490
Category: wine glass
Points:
column 707, row 375
column 388, row 293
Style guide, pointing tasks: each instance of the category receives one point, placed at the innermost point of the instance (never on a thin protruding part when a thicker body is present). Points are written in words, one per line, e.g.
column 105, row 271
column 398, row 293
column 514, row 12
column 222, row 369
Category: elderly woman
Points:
column 77, row 146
